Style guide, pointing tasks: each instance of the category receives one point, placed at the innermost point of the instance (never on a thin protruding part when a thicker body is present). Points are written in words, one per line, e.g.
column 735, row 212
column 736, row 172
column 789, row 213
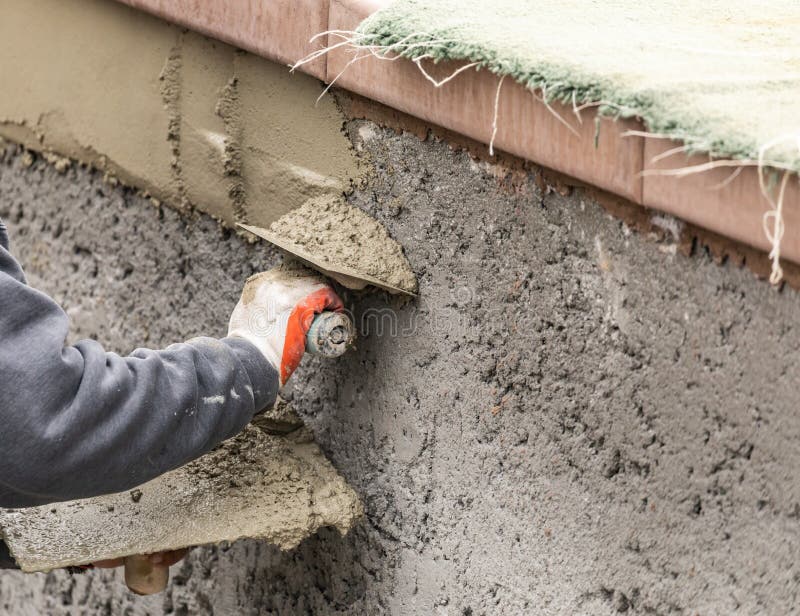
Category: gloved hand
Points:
column 276, row 311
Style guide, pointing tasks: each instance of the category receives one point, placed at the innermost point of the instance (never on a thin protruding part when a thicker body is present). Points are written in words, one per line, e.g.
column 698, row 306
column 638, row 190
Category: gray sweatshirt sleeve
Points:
column 77, row 421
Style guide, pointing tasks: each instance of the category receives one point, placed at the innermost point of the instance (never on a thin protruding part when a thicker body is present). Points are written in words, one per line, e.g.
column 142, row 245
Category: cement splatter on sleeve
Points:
column 79, row 421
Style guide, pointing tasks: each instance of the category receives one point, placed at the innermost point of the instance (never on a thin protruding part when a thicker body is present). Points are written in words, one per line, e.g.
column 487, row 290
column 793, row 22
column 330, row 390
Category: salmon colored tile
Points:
column 734, row 209
column 466, row 104
column 276, row 29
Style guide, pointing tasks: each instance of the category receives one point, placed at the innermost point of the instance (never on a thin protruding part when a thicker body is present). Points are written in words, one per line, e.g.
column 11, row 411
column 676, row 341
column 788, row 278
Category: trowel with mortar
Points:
column 342, row 242
column 271, row 482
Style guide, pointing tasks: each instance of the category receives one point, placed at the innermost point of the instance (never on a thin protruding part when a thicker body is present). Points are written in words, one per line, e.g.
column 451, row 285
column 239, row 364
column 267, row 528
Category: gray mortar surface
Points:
column 571, row 419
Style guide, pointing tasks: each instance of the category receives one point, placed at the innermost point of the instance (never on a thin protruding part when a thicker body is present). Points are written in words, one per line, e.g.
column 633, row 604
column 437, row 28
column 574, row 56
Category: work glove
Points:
column 276, row 311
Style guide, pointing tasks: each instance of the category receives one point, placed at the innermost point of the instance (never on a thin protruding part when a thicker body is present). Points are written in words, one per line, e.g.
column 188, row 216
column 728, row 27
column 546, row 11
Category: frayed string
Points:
column 496, row 114
column 775, row 215
column 440, row 83
column 556, row 115
column 774, row 232
column 728, row 180
column 772, row 221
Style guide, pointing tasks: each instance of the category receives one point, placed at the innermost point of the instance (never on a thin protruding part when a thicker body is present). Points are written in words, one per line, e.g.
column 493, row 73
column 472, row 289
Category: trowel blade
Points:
column 277, row 488
column 347, row 276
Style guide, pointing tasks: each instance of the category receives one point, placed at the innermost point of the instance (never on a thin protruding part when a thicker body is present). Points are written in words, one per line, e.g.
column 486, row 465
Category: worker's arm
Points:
column 78, row 421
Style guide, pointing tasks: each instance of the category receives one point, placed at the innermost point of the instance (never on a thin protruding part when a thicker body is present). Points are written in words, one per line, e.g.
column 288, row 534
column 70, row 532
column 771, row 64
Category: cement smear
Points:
column 189, row 120
column 279, row 489
column 341, row 237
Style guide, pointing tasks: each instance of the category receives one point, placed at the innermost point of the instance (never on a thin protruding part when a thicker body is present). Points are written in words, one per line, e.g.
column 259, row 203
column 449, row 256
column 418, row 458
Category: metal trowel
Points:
column 345, row 275
column 342, row 241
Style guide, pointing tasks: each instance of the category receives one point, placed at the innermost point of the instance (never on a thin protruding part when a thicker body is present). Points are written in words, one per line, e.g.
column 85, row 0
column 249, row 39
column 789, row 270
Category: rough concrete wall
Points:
column 571, row 419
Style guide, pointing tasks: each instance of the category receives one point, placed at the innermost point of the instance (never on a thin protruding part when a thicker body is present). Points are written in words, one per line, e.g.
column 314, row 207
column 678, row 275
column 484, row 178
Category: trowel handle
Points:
column 143, row 577
column 331, row 334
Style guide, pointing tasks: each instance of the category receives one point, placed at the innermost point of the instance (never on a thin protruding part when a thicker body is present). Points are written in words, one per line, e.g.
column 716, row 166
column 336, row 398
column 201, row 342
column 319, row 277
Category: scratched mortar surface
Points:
column 571, row 418
column 194, row 121
column 277, row 488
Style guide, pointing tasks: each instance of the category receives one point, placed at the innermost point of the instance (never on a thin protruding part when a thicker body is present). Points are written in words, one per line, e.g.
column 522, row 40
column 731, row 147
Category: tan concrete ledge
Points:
column 171, row 112
column 521, row 124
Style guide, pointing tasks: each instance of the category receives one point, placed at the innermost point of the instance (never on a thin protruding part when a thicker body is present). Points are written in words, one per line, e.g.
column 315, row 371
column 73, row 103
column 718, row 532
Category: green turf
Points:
column 721, row 76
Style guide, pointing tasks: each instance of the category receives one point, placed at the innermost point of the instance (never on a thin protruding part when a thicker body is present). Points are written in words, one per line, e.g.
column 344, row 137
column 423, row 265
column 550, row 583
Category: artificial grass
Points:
column 721, row 76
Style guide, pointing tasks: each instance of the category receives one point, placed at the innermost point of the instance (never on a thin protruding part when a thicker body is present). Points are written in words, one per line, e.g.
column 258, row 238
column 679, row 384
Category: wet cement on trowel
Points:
column 340, row 234
column 271, row 482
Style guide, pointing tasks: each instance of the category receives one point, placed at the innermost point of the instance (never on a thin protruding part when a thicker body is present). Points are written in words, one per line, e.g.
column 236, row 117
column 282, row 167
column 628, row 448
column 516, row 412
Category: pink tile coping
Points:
column 276, row 29
column 712, row 200
column 281, row 29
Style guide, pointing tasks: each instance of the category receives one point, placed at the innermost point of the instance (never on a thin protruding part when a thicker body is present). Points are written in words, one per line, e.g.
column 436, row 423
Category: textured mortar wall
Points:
column 571, row 420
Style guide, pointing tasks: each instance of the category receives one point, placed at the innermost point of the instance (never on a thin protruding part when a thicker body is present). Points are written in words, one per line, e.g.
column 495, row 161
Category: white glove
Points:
column 276, row 311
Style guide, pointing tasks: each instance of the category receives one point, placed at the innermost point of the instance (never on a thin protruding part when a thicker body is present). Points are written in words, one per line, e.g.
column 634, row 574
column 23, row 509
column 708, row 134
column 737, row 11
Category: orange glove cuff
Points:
column 299, row 323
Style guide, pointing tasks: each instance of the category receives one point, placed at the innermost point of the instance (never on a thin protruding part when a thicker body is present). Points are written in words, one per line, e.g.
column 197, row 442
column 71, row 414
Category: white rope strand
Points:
column 775, row 233
column 439, row 84
column 496, row 113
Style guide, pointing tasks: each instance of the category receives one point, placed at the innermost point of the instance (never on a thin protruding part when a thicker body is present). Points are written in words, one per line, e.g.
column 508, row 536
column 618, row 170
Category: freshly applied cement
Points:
column 279, row 489
column 722, row 76
column 193, row 122
column 340, row 237
column 570, row 419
